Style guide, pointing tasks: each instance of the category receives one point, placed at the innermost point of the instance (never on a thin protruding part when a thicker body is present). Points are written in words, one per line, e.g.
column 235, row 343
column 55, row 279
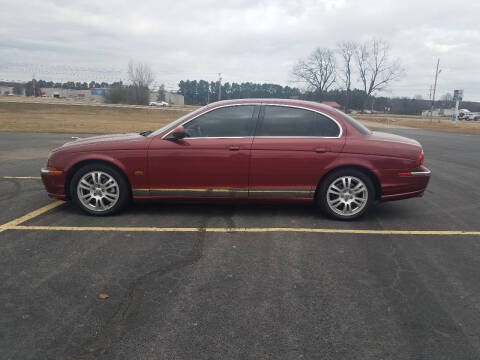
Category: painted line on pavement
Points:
column 12, row 224
column 16, row 225
column 247, row 230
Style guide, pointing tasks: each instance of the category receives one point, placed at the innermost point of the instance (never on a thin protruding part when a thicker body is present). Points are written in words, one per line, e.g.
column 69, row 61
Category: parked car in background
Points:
column 158, row 103
column 472, row 116
column 462, row 113
column 250, row 149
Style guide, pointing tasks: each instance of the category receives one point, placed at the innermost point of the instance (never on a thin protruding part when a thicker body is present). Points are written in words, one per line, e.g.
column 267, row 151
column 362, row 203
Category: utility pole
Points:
column 434, row 90
column 219, row 86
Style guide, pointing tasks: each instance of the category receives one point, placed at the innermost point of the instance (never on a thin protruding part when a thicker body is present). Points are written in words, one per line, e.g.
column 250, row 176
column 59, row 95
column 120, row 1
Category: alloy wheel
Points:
column 98, row 191
column 347, row 195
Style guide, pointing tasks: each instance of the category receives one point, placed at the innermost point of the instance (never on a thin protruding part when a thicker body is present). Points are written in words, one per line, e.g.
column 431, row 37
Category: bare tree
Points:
column 375, row 68
column 347, row 50
column 317, row 71
column 161, row 93
column 140, row 74
column 141, row 77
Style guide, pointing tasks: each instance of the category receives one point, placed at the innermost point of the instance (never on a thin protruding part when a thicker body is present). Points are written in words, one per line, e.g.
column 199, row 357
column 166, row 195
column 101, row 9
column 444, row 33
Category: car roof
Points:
column 286, row 102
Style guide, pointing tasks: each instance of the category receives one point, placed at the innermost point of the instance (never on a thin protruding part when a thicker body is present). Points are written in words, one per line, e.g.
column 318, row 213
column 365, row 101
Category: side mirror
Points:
column 178, row 133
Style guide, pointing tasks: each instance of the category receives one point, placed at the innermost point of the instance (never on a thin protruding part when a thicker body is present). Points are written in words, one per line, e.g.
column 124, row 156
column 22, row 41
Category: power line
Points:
column 219, row 86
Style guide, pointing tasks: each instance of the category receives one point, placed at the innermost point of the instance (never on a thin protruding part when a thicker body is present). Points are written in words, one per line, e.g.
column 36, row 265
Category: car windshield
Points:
column 178, row 121
column 356, row 124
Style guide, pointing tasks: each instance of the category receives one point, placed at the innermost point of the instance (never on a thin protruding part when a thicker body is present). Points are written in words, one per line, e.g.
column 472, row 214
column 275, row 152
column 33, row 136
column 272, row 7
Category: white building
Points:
column 439, row 112
column 6, row 90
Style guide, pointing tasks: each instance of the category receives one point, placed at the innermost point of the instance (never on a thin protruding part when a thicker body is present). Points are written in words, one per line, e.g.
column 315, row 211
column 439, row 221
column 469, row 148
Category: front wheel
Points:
column 346, row 194
column 99, row 189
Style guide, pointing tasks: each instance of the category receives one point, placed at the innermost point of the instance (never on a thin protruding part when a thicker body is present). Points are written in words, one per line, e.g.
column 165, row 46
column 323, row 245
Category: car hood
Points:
column 105, row 142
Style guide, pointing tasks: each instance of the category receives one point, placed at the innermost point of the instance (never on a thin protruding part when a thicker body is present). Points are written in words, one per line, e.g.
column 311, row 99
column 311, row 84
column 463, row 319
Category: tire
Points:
column 99, row 189
column 338, row 206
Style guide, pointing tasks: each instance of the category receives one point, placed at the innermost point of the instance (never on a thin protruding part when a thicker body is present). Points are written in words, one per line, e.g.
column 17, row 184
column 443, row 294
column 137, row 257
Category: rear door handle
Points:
column 322, row 150
column 234, row 148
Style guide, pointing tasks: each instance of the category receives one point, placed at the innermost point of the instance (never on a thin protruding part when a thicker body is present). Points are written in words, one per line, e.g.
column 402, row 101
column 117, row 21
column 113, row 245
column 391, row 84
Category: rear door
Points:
column 290, row 149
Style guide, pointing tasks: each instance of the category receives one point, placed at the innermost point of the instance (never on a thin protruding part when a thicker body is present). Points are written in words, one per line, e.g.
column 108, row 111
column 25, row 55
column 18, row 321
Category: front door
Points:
column 211, row 161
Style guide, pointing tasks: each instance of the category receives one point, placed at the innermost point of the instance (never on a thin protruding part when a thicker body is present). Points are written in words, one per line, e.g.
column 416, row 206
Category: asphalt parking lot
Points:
column 188, row 282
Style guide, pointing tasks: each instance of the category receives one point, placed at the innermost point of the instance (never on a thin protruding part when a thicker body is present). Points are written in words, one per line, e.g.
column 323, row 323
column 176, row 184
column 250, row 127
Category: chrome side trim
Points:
column 262, row 137
column 200, row 192
column 421, row 173
column 281, row 193
column 226, row 192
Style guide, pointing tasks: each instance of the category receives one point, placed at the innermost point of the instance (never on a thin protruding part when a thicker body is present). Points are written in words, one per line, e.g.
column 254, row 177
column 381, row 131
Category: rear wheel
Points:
column 99, row 189
column 346, row 194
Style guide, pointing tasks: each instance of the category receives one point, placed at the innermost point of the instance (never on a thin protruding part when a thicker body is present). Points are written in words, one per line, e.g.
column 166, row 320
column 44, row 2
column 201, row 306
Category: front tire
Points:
column 99, row 189
column 346, row 194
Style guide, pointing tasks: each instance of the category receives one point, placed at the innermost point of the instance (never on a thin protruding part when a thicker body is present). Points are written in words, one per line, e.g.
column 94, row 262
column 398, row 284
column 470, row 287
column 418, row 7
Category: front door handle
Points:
column 234, row 148
column 322, row 150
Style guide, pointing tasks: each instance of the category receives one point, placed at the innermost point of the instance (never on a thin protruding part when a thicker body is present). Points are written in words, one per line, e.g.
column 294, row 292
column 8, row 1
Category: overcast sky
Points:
column 245, row 40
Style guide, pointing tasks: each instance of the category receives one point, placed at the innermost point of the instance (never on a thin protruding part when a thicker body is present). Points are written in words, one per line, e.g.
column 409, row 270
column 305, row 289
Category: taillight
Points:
column 420, row 158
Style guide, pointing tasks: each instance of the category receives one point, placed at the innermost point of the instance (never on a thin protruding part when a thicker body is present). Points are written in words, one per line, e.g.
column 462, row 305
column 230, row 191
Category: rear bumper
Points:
column 407, row 185
column 54, row 183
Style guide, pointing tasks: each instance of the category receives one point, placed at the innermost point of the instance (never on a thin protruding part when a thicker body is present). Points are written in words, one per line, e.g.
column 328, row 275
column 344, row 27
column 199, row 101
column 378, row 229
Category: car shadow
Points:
column 254, row 213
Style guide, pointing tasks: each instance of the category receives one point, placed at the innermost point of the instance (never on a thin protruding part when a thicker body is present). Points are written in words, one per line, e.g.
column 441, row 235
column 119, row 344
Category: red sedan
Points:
column 242, row 149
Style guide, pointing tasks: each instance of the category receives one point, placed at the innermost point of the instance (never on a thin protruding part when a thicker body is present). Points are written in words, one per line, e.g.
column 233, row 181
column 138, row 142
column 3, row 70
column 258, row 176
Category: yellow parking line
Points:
column 30, row 215
column 16, row 225
column 23, row 177
column 247, row 230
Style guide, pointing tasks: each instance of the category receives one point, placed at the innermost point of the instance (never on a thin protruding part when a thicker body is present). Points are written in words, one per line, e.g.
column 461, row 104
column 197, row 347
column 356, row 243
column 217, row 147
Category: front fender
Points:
column 132, row 163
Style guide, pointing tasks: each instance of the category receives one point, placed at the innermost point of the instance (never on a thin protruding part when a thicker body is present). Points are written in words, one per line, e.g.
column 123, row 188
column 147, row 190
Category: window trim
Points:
column 259, row 118
column 254, row 118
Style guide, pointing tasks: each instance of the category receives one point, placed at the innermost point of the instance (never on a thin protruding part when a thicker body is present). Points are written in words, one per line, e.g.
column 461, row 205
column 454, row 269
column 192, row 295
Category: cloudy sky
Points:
column 245, row 40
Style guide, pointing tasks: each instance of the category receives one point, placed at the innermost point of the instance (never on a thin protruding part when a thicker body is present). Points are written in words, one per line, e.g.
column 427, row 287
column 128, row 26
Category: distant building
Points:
column 96, row 95
column 8, row 88
column 439, row 112
column 170, row 97
column 333, row 104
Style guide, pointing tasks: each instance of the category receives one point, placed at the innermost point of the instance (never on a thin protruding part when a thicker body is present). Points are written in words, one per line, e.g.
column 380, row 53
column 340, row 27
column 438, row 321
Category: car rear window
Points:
column 356, row 124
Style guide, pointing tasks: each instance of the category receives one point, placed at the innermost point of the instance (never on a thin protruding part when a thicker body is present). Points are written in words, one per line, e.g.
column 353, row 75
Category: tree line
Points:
column 202, row 92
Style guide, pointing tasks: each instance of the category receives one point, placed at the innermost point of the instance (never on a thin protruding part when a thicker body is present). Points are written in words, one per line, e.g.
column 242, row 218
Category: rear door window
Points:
column 295, row 122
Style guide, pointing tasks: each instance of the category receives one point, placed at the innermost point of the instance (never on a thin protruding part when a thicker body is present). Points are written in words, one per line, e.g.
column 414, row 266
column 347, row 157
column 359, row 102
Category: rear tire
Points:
column 345, row 194
column 99, row 189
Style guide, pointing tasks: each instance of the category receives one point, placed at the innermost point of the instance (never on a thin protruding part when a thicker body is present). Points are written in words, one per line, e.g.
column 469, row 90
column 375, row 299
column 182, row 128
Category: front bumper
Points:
column 54, row 182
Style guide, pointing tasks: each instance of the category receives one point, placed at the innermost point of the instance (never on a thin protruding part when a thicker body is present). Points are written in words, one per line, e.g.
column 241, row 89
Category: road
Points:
column 239, row 295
